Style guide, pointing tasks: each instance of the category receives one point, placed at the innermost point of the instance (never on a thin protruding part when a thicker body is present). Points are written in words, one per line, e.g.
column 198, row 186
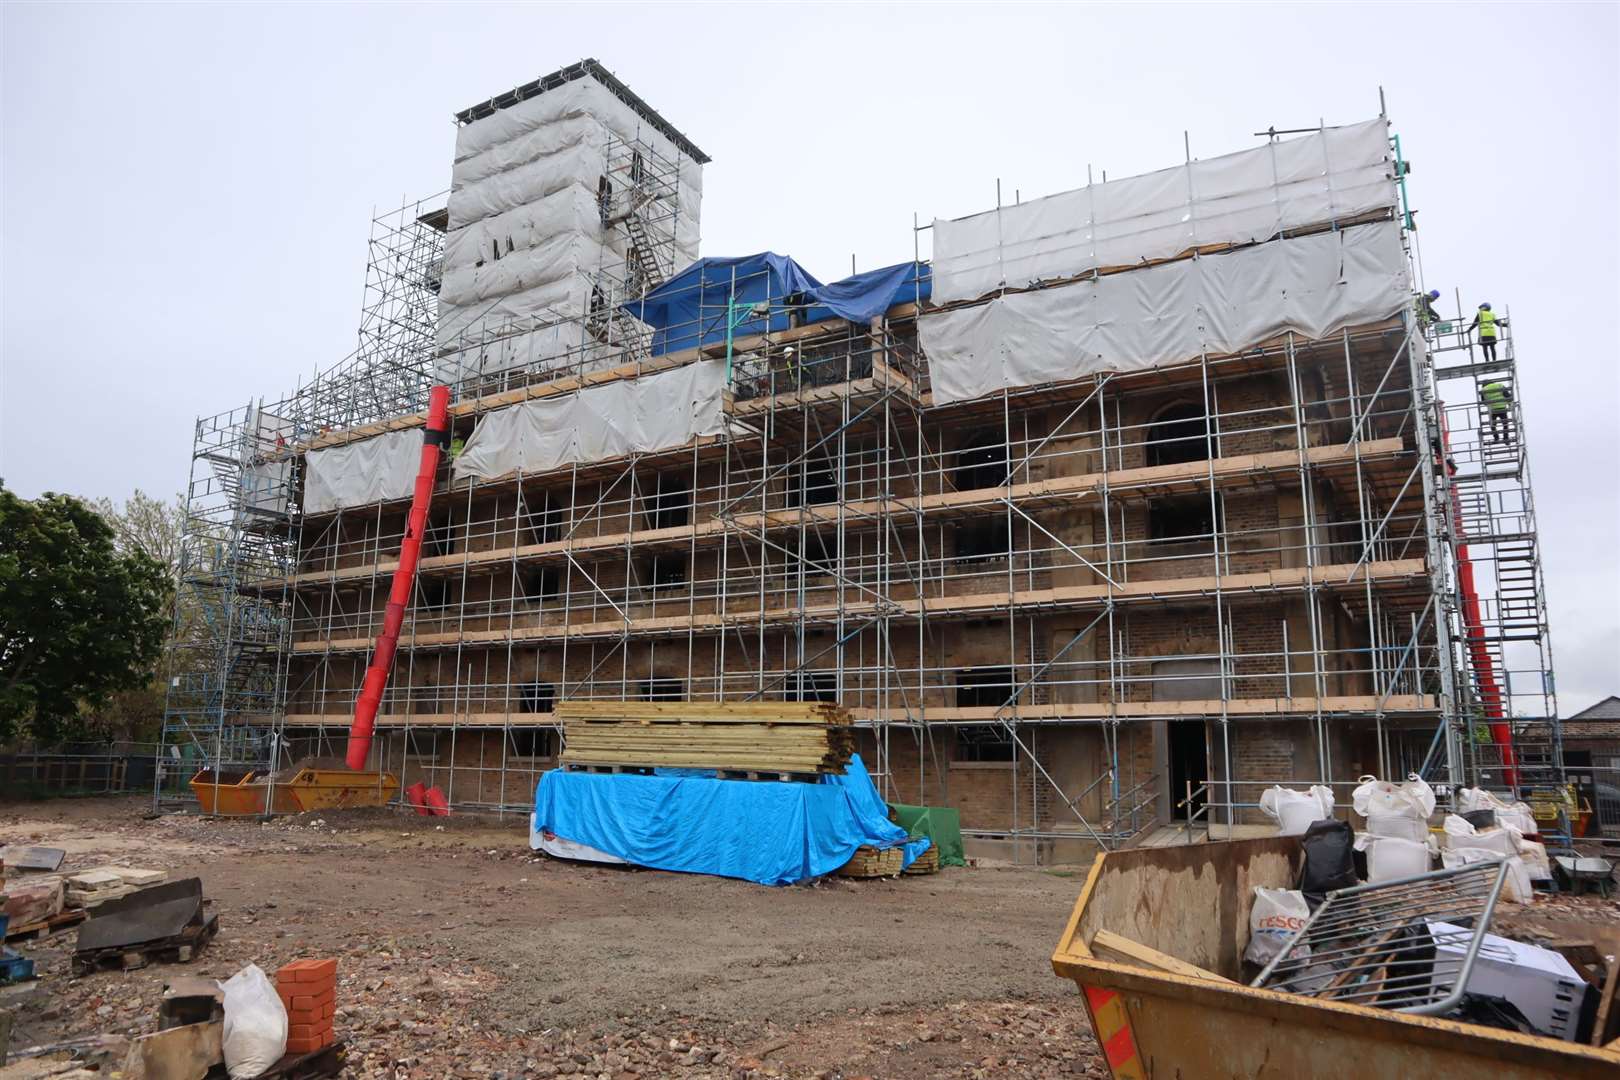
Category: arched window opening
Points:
column 1179, row 433
column 981, row 461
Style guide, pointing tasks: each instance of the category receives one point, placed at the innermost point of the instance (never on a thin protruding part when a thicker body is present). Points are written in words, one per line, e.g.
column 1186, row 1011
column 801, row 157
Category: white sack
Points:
column 1402, row 826
column 1295, row 811
column 1309, row 285
column 372, row 470
column 1414, row 798
column 1502, row 840
column 1516, row 814
column 653, row 412
column 255, row 1028
column 1243, row 197
column 1536, row 863
column 1275, row 917
column 1515, row 887
column 1391, row 857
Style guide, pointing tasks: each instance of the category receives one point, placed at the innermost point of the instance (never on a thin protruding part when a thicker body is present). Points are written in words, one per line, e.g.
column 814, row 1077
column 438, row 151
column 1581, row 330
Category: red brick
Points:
column 309, row 1045
column 307, row 971
column 298, row 1000
column 317, row 1030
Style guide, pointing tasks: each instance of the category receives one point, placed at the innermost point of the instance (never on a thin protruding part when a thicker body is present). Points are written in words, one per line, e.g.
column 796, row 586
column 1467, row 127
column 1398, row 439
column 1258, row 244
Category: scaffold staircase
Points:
column 1486, row 509
column 226, row 659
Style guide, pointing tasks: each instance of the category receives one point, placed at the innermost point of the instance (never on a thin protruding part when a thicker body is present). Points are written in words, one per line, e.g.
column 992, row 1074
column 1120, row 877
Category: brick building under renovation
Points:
column 1124, row 505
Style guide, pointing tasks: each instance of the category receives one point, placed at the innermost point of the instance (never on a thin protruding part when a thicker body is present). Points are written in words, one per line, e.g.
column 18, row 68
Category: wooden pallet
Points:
column 327, row 1061
column 871, row 862
column 175, row 950
column 60, row 921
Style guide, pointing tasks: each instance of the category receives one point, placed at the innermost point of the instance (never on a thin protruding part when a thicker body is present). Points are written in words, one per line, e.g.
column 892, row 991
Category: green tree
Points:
column 151, row 527
column 79, row 620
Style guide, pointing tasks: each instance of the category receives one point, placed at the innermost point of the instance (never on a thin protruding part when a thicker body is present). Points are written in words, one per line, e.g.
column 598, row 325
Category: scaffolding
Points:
column 227, row 662
column 1044, row 606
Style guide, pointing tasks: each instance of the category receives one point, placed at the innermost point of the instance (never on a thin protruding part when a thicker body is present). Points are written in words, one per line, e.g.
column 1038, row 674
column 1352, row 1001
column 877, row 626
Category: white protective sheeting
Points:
column 526, row 228
column 654, row 412
column 1311, row 285
column 374, row 470
column 1248, row 196
column 534, row 351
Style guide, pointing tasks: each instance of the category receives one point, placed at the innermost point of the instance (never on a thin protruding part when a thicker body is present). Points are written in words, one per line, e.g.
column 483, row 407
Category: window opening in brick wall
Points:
column 988, row 539
column 671, row 501
column 542, row 582
column 546, row 519
column 986, row 687
column 820, row 482
column 537, row 697
column 812, row 686
column 984, row 742
column 981, row 461
column 1179, row 433
column 1182, row 519
column 663, row 690
column 531, row 742
column 669, row 570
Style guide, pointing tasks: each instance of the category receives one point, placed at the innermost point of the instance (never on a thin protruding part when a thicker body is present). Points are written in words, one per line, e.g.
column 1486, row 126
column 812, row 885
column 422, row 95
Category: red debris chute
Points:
column 1479, row 654
column 434, row 441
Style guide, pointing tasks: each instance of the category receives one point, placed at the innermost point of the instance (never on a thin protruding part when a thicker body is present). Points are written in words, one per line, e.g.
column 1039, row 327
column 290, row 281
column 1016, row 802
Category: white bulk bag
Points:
column 1391, row 857
column 1536, row 863
column 1414, row 797
column 1397, row 810
column 1516, row 814
column 1502, row 840
column 1294, row 811
column 1274, row 918
column 1516, row 887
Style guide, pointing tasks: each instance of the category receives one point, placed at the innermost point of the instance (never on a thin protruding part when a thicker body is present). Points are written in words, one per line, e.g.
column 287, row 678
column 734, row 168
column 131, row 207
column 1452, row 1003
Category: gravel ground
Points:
column 462, row 955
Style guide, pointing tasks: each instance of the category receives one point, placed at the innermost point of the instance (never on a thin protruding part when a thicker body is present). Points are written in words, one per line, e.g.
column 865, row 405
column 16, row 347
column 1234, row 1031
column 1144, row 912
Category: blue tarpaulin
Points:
column 765, row 292
column 770, row 833
column 862, row 297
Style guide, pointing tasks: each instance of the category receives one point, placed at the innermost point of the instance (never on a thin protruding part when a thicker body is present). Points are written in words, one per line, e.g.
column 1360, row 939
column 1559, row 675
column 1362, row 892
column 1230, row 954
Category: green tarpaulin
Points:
column 941, row 824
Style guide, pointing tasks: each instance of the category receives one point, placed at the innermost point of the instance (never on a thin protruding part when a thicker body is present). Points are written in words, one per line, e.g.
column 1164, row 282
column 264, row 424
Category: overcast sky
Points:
column 188, row 189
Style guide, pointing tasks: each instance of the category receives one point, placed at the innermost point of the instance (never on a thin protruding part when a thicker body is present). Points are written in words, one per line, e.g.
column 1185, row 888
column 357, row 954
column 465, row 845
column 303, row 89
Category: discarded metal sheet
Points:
column 150, row 915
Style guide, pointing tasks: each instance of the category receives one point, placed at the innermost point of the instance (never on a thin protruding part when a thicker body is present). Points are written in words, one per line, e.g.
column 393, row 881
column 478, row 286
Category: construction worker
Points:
column 1497, row 398
column 1425, row 307
column 1487, row 322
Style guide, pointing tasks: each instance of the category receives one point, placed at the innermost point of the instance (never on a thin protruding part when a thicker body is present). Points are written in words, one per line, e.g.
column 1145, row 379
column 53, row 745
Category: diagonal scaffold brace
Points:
column 435, row 440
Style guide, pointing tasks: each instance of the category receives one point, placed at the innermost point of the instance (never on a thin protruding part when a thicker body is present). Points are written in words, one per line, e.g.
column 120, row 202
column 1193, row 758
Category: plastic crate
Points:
column 14, row 966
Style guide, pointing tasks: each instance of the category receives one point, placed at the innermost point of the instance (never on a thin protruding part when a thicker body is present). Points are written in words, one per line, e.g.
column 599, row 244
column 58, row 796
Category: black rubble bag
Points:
column 1329, row 860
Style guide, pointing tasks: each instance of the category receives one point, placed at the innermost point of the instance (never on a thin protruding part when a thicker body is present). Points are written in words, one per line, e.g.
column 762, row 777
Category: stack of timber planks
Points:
column 870, row 862
column 752, row 736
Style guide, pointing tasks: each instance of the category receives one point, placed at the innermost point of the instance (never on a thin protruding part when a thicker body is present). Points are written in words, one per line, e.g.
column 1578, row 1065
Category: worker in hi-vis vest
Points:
column 1498, row 401
column 1487, row 322
column 1425, row 307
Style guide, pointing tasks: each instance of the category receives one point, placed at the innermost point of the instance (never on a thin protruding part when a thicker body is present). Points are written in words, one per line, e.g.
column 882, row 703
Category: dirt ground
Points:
column 462, row 955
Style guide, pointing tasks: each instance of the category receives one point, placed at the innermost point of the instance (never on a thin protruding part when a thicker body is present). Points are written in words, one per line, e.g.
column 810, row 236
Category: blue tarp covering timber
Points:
column 770, row 833
column 765, row 291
